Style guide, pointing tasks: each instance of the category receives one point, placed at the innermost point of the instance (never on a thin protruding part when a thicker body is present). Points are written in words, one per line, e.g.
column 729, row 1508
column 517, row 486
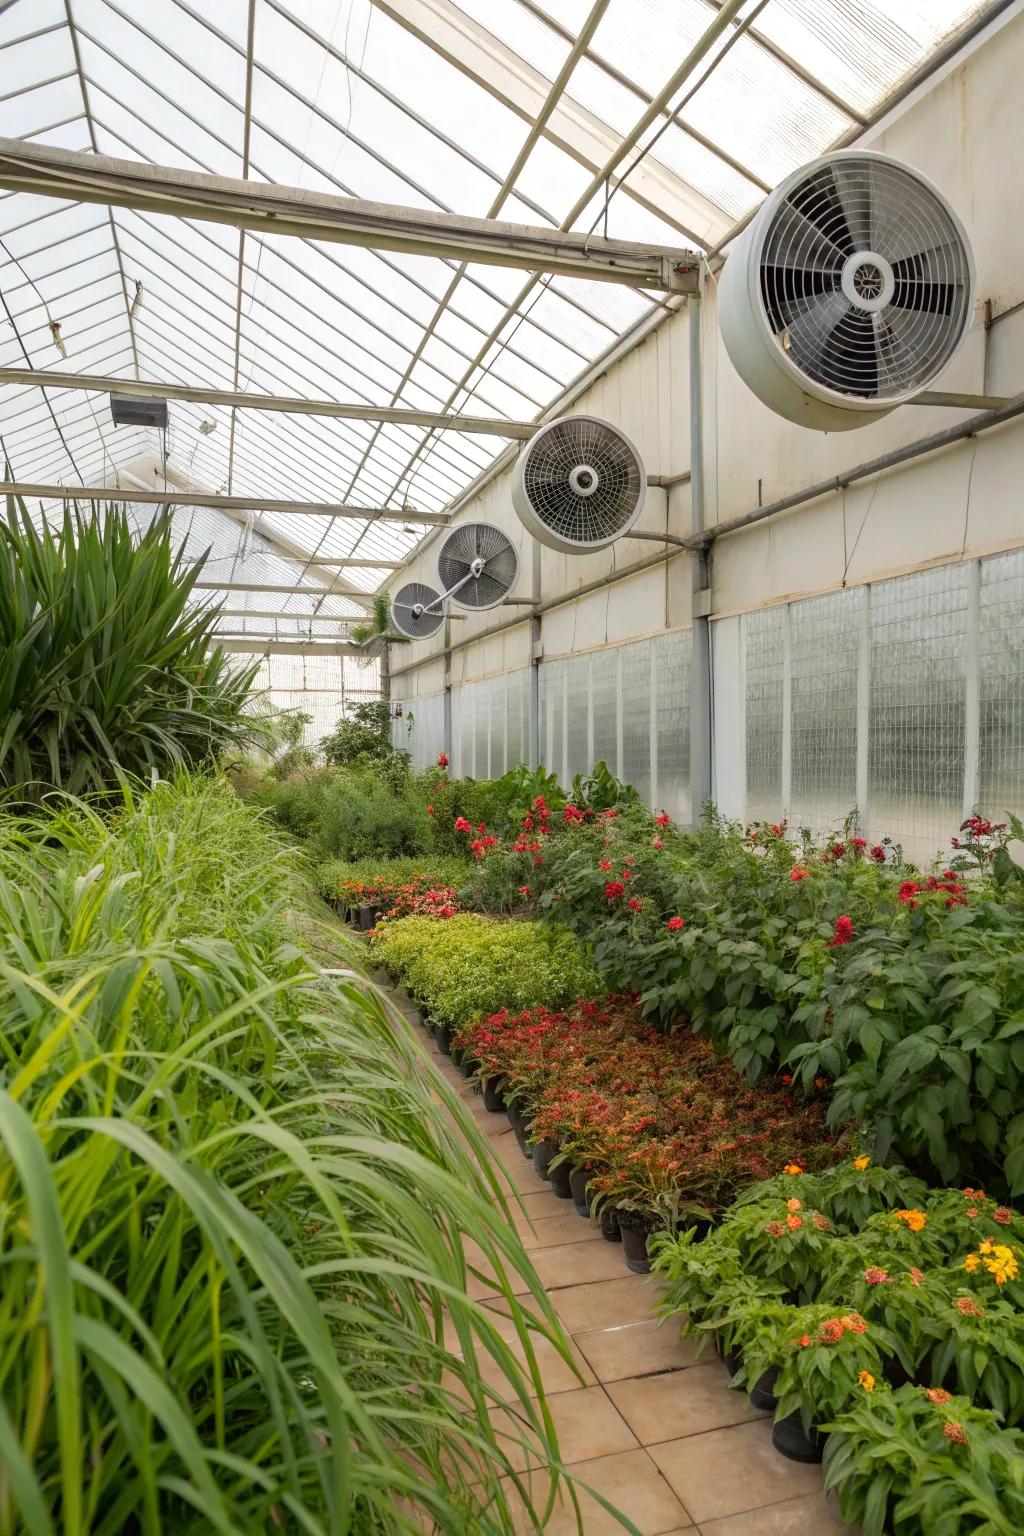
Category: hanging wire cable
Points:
column 31, row 364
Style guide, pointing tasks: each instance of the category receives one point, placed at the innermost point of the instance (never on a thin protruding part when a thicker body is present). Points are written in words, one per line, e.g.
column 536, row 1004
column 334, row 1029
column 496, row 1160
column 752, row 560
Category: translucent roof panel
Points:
column 426, row 103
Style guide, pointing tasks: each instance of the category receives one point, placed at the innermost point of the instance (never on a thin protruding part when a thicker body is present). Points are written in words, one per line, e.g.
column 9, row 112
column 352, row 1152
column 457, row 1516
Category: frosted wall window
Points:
column 323, row 687
column 763, row 670
column 518, row 717
column 577, row 685
column 1001, row 767
column 425, row 737
column 917, row 707
column 825, row 636
column 636, row 717
column 670, row 656
column 552, row 682
column 605, row 694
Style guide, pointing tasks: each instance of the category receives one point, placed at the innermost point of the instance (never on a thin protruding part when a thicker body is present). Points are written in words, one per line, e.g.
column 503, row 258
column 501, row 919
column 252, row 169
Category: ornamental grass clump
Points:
column 233, row 1245
column 106, row 672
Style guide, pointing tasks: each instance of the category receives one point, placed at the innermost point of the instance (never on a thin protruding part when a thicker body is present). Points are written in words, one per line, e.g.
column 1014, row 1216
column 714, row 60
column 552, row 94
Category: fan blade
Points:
column 849, row 360
column 924, row 281
column 818, row 201
column 810, row 329
column 853, row 189
column 895, row 350
column 786, row 290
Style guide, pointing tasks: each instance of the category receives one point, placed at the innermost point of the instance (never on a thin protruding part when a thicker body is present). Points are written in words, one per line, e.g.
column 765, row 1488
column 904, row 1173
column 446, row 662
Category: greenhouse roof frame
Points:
column 433, row 91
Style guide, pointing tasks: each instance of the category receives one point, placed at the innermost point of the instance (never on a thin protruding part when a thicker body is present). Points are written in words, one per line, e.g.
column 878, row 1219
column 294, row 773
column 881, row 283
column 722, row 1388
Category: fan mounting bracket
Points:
column 961, row 401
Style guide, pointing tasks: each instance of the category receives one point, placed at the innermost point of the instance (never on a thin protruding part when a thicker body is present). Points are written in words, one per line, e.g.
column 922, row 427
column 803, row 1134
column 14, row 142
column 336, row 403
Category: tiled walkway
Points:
column 657, row 1432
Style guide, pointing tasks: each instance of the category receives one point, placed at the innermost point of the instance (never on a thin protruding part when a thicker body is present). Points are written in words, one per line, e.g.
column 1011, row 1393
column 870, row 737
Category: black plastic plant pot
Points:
column 791, row 1440
column 560, row 1176
column 608, row 1221
column 762, row 1393
column 578, row 1180
column 494, row 1099
column 443, row 1036
column 367, row 919
column 635, row 1232
column 730, row 1358
column 466, row 1065
column 543, row 1152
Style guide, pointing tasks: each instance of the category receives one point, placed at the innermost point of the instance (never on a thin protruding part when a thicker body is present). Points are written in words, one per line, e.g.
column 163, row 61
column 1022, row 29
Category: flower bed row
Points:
column 648, row 1130
column 864, row 1307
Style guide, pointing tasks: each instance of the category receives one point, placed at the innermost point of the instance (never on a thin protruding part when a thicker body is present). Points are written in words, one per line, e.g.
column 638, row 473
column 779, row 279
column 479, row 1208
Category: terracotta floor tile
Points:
column 728, row 1471
column 629, row 1482
column 587, row 1425
column 637, row 1349
column 813, row 1515
column 554, row 1230
column 575, row 1264
column 625, row 1298
column 679, row 1403
column 544, row 1203
column 556, row 1374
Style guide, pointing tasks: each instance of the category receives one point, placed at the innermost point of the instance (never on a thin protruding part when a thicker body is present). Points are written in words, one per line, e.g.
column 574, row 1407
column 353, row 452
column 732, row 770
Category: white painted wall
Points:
column 965, row 134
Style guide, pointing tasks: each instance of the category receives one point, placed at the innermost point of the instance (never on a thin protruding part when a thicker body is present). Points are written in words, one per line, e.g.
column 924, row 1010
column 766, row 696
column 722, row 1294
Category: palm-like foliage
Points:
column 231, row 1209
column 104, row 669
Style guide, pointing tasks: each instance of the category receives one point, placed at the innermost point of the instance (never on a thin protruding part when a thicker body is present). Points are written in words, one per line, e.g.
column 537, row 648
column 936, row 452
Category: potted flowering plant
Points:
column 921, row 1462
column 784, row 1241
column 979, row 1350
column 823, row 1358
column 901, row 1298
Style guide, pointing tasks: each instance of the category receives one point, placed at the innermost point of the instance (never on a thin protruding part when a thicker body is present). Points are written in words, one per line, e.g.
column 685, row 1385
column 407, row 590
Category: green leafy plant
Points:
column 234, row 1209
column 106, row 670
column 363, row 735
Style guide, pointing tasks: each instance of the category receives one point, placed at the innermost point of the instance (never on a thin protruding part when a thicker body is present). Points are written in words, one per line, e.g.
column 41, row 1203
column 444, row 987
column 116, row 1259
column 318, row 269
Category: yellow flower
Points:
column 860, row 1163
column 867, row 1381
column 914, row 1219
column 971, row 1262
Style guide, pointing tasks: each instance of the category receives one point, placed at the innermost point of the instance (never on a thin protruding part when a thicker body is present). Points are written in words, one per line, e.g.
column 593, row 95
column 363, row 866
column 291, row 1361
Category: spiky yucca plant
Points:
column 105, row 671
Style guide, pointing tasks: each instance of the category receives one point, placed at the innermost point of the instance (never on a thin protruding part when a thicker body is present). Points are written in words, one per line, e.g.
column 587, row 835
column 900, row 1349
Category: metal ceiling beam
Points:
column 360, row 599
column 250, row 48
column 276, row 210
column 255, row 645
column 276, row 614
column 290, row 405
column 466, row 44
column 225, row 503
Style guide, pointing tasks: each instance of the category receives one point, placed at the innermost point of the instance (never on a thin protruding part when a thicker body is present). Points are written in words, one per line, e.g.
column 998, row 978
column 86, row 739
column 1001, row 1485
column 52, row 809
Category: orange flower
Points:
column 805, row 1341
column 1002, row 1215
column 936, row 1395
column 831, row 1331
column 876, row 1276
column 821, row 1222
column 792, row 1205
column 792, row 1168
column 860, row 1163
column 914, row 1276
column 914, row 1219
column 968, row 1307
column 955, row 1432
column 854, row 1323
column 794, row 1223
column 866, row 1380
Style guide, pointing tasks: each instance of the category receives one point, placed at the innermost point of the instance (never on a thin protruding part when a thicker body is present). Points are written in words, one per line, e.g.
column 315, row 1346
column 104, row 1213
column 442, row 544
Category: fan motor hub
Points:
column 868, row 281
column 584, row 479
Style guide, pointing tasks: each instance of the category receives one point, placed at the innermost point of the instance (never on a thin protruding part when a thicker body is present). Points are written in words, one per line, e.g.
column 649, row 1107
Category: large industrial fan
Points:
column 848, row 293
column 416, row 611
column 477, row 565
column 579, row 485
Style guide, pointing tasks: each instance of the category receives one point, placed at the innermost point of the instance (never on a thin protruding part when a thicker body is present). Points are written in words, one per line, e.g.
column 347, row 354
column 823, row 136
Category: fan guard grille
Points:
column 865, row 278
column 416, row 625
column 477, row 541
column 583, row 481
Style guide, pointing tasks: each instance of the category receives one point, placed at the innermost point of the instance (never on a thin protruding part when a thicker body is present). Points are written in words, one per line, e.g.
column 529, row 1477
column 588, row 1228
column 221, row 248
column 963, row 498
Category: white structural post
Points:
column 653, row 674
column 700, row 665
column 620, row 765
column 786, row 775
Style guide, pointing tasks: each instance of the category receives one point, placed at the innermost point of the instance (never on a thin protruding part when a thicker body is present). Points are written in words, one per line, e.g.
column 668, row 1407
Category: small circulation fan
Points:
column 847, row 294
column 477, row 565
column 579, row 485
column 416, row 611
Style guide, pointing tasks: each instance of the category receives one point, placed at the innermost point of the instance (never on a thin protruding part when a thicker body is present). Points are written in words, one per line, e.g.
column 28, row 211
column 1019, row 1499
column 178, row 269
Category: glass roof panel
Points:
column 346, row 99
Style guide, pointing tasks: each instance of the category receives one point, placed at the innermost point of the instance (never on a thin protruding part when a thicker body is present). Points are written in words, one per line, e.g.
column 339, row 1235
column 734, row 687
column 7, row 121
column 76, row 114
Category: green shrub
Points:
column 471, row 965
column 351, row 813
column 232, row 1247
column 365, row 735
column 105, row 671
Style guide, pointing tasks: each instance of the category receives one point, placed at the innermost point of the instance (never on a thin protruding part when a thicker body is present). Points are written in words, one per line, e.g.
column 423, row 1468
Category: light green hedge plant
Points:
column 471, row 966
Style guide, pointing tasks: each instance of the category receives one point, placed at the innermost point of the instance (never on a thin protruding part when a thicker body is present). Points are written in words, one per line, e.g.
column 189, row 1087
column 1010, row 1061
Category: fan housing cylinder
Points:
column 848, row 293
